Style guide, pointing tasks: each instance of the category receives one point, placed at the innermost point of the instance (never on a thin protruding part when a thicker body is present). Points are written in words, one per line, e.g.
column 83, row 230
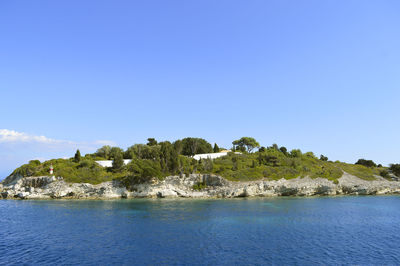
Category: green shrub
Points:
column 141, row 171
column 323, row 158
column 199, row 186
column 160, row 159
column 295, row 153
column 118, row 162
column 367, row 163
column 360, row 171
column 384, row 173
column 395, row 168
column 77, row 157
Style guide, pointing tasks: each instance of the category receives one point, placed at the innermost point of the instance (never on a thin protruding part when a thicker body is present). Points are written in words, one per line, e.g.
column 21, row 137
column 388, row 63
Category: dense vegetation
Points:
column 159, row 159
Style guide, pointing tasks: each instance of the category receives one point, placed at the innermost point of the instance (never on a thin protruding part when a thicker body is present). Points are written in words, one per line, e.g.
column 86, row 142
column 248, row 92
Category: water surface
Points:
column 325, row 230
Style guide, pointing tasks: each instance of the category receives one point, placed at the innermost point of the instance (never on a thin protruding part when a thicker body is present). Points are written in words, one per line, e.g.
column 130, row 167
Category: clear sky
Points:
column 322, row 76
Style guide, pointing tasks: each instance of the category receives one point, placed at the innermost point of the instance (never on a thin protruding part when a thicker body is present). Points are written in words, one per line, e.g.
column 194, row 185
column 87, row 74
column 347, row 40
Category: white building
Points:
column 108, row 163
column 211, row 155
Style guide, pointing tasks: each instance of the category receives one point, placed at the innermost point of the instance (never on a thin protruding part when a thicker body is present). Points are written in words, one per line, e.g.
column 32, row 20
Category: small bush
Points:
column 323, row 158
column 384, row 173
column 360, row 171
column 199, row 186
column 367, row 163
column 395, row 168
column 295, row 153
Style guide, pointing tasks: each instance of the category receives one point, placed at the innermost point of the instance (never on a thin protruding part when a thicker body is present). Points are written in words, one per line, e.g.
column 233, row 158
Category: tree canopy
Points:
column 395, row 168
column 368, row 163
column 151, row 142
column 161, row 159
column 118, row 161
column 192, row 146
column 245, row 143
column 323, row 158
column 77, row 157
column 216, row 148
column 114, row 151
column 104, row 152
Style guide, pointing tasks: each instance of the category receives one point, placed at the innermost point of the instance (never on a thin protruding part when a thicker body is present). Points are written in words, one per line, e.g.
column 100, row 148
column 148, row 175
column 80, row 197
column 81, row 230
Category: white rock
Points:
column 175, row 186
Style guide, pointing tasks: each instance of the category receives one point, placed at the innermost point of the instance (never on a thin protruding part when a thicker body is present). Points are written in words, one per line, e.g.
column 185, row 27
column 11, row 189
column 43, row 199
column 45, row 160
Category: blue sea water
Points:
column 282, row 231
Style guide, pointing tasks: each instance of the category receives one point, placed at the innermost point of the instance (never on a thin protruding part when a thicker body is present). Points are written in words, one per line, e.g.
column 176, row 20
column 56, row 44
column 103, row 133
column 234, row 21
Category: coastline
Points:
column 47, row 187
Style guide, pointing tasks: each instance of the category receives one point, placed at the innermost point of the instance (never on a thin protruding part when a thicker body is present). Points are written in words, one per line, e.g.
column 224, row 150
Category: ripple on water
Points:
column 338, row 230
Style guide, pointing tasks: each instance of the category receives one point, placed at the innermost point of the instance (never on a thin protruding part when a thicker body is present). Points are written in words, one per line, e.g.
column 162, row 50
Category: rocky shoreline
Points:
column 47, row 187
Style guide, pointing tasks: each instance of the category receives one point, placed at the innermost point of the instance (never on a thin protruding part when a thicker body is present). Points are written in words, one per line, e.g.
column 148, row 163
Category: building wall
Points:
column 108, row 163
column 211, row 155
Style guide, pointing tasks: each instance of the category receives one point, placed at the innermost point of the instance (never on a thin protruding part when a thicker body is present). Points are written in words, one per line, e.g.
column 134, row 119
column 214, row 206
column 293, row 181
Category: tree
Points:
column 151, row 142
column 118, row 161
column 216, row 148
column 283, row 150
column 178, row 146
column 395, row 168
column 114, row 151
column 323, row 158
column 246, row 143
column 142, row 171
column 268, row 159
column 142, row 151
column 384, row 173
column 104, row 152
column 367, row 163
column 295, row 153
column 208, row 165
column 77, row 157
column 168, row 157
column 192, row 146
column 310, row 154
column 235, row 163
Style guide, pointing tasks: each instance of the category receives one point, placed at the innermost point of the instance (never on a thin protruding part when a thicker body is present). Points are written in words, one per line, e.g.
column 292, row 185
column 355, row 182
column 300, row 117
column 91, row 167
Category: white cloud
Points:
column 12, row 136
column 17, row 148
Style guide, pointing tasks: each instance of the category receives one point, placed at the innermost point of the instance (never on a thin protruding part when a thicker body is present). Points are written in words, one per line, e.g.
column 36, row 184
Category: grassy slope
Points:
column 270, row 165
column 87, row 171
column 250, row 167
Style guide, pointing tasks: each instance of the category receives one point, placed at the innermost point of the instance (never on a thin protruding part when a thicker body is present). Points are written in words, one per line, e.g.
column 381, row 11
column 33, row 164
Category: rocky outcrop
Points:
column 45, row 187
column 11, row 179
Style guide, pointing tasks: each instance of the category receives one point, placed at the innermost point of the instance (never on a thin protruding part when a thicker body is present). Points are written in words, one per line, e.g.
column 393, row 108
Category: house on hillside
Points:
column 108, row 163
column 212, row 155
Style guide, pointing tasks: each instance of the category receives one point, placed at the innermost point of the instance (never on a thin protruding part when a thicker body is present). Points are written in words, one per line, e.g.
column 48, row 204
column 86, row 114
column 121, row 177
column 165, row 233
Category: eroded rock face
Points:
column 182, row 186
column 37, row 182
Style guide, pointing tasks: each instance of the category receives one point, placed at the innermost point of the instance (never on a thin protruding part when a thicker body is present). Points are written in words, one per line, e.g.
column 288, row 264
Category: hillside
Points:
column 158, row 160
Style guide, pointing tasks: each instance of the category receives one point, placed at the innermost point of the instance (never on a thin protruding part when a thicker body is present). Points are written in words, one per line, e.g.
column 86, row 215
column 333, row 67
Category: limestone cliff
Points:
column 45, row 187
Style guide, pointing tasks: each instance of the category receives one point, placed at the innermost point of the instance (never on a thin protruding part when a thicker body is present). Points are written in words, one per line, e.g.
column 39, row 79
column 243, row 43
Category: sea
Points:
column 346, row 230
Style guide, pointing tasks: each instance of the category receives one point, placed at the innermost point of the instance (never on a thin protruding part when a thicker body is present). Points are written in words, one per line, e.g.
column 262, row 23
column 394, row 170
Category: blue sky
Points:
column 321, row 76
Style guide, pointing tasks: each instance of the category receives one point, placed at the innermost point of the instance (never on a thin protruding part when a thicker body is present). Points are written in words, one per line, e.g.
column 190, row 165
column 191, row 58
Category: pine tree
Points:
column 77, row 157
column 118, row 161
column 216, row 148
column 151, row 142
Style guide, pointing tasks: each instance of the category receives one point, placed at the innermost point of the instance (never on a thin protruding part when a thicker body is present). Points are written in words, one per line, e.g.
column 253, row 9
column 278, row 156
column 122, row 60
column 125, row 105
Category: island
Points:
column 193, row 168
